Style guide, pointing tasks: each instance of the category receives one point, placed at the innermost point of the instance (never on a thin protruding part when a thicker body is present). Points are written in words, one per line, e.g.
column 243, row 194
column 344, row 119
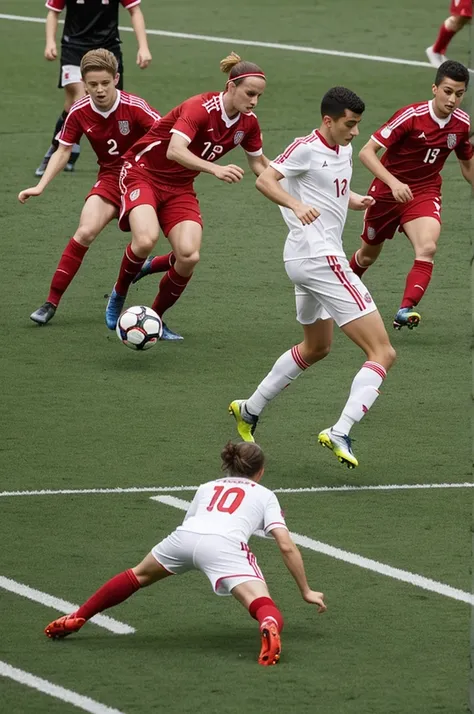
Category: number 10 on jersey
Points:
column 226, row 500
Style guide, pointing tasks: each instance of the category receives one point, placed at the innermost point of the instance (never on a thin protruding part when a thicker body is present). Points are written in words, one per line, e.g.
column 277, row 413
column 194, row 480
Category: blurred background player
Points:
column 112, row 121
column 158, row 174
column 213, row 538
column 310, row 181
column 407, row 187
column 460, row 13
column 88, row 25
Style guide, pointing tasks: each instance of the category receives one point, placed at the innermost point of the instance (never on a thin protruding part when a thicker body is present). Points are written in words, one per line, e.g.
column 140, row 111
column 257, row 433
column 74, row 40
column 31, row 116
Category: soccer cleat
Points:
column 43, row 314
column 42, row 167
column 245, row 428
column 145, row 270
column 113, row 309
column 435, row 58
column 406, row 317
column 340, row 445
column 271, row 644
column 69, row 168
column 169, row 335
column 64, row 626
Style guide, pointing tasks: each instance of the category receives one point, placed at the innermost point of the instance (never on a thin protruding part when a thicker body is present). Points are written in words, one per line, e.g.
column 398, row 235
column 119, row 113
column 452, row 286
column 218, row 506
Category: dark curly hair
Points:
column 337, row 100
column 452, row 70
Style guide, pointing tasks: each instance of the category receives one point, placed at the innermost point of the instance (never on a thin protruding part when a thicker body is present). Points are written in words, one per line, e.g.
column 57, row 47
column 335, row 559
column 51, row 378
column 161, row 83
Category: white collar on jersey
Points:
column 112, row 108
column 440, row 122
column 228, row 122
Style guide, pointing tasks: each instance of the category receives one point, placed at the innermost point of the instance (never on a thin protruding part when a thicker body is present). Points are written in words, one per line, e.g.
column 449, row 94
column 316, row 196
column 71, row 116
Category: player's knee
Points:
column 388, row 356
column 365, row 260
column 85, row 235
column 427, row 251
column 189, row 257
column 144, row 243
column 455, row 23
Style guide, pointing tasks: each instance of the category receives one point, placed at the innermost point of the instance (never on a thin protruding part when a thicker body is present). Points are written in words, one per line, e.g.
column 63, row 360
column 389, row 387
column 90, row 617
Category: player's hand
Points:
column 143, row 58
column 315, row 598
column 51, row 52
column 401, row 192
column 229, row 174
column 362, row 203
column 306, row 214
column 23, row 196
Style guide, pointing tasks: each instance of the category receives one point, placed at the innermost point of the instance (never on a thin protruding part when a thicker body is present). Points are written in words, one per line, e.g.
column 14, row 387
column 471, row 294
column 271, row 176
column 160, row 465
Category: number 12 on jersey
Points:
column 226, row 500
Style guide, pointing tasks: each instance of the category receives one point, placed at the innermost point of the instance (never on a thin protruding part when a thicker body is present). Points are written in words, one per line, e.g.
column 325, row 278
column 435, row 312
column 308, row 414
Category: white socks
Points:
column 286, row 369
column 364, row 392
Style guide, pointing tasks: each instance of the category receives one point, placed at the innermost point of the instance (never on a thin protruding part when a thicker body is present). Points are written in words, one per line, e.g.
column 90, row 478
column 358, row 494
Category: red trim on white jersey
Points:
column 237, row 575
column 297, row 142
column 323, row 141
column 338, row 271
column 276, row 523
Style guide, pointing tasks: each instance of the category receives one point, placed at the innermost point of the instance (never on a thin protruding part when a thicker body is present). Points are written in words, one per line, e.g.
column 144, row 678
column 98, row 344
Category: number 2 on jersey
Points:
column 113, row 147
column 227, row 502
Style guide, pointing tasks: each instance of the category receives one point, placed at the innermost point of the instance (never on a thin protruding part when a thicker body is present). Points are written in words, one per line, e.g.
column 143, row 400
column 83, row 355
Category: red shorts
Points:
column 383, row 218
column 172, row 207
column 107, row 186
column 462, row 8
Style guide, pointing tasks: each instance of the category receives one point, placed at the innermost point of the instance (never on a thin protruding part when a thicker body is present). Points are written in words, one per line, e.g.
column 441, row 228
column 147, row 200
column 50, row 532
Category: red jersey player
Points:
column 407, row 189
column 112, row 121
column 460, row 13
column 158, row 174
column 213, row 538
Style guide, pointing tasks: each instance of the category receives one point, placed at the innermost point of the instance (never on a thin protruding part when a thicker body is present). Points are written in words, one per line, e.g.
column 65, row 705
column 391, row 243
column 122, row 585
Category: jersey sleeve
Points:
column 146, row 115
column 127, row 4
column 193, row 117
column 72, row 131
column 252, row 143
column 56, row 5
column 295, row 160
column 464, row 150
column 395, row 128
column 273, row 516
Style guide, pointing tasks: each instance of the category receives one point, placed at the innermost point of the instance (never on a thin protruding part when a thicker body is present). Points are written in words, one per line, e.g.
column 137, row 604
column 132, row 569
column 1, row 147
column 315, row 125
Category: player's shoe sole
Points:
column 63, row 626
column 43, row 314
column 406, row 317
column 271, row 644
column 245, row 429
column 113, row 309
column 340, row 446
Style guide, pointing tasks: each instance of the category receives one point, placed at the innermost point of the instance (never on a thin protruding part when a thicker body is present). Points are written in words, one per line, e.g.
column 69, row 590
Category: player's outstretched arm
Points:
column 51, row 51
column 258, row 164
column 368, row 155
column 55, row 165
column 138, row 24
column 268, row 183
column 294, row 562
column 178, row 151
column 467, row 170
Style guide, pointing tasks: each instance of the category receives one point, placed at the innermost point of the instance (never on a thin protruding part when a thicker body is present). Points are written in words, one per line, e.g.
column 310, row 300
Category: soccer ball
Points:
column 139, row 327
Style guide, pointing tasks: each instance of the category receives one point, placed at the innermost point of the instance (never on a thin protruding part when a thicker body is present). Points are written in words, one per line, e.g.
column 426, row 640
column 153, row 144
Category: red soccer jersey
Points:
column 110, row 133
column 203, row 120
column 417, row 144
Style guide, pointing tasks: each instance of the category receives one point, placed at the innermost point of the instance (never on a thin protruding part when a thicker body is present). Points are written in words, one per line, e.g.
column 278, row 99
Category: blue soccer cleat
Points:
column 113, row 309
column 169, row 335
column 145, row 270
column 406, row 317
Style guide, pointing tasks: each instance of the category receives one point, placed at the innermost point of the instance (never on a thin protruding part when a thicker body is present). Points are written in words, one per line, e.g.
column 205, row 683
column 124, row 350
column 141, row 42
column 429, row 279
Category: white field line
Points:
column 108, row 623
column 66, row 695
column 252, row 43
column 405, row 576
column 169, row 489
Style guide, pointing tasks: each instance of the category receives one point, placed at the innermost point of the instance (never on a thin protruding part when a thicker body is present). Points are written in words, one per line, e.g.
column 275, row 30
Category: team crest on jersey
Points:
column 238, row 136
column 368, row 298
column 124, row 127
column 135, row 194
column 371, row 233
column 452, row 141
column 386, row 132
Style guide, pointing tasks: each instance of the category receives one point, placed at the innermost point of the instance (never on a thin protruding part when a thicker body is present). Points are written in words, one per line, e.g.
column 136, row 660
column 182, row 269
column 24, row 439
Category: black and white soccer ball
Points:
column 139, row 327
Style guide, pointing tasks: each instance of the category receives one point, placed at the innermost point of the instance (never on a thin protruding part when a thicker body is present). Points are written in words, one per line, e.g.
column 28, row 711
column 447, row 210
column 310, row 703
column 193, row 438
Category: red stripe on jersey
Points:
column 376, row 367
column 297, row 142
column 342, row 277
column 275, row 523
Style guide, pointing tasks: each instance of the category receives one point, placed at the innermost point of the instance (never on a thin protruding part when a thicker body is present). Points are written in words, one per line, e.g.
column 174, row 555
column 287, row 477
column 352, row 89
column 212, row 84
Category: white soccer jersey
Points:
column 234, row 508
column 317, row 175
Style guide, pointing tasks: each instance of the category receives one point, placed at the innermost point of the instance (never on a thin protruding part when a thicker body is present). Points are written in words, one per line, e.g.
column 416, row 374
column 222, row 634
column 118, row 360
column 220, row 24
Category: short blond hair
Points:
column 99, row 60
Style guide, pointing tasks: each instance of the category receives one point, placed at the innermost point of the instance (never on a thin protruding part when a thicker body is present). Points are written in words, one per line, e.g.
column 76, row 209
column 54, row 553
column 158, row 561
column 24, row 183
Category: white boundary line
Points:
column 368, row 564
column 66, row 695
column 169, row 489
column 108, row 623
column 251, row 43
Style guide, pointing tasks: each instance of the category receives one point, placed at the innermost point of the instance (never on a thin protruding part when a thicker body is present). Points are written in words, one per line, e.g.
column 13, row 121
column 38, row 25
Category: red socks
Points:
column 172, row 284
column 355, row 267
column 417, row 282
column 68, row 265
column 263, row 608
column 113, row 592
column 161, row 263
column 442, row 41
column 129, row 268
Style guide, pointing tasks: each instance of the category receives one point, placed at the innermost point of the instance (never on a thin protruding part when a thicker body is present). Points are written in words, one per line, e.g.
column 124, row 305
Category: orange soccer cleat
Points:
column 64, row 626
column 271, row 644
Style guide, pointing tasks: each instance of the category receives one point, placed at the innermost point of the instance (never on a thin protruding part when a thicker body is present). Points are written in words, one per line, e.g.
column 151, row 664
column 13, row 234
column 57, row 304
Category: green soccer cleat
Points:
column 246, row 427
column 340, row 445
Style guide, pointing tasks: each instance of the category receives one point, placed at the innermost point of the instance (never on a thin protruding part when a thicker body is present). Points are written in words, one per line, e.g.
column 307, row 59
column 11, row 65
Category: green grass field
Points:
column 79, row 411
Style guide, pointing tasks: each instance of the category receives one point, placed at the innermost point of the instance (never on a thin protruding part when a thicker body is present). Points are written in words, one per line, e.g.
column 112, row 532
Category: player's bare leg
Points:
column 113, row 592
column 451, row 26
column 96, row 214
column 423, row 233
column 255, row 597
column 145, row 231
column 365, row 257
column 315, row 346
column 73, row 92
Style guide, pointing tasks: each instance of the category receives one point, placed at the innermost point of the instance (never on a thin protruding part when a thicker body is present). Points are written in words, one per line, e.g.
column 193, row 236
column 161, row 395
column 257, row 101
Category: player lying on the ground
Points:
column 87, row 26
column 112, row 121
column 213, row 538
column 159, row 171
column 407, row 187
column 310, row 181
column 460, row 13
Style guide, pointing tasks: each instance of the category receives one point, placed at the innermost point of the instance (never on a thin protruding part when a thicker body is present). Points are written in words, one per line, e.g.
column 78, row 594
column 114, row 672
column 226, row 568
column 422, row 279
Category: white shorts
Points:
column 70, row 74
column 226, row 563
column 326, row 288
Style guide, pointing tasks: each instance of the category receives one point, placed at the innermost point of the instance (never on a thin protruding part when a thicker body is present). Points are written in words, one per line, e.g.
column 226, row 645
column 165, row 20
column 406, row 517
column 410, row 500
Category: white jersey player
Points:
column 214, row 539
column 310, row 181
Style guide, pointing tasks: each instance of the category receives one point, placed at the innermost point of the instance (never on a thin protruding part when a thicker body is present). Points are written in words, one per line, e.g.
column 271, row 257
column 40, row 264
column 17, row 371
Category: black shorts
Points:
column 73, row 55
